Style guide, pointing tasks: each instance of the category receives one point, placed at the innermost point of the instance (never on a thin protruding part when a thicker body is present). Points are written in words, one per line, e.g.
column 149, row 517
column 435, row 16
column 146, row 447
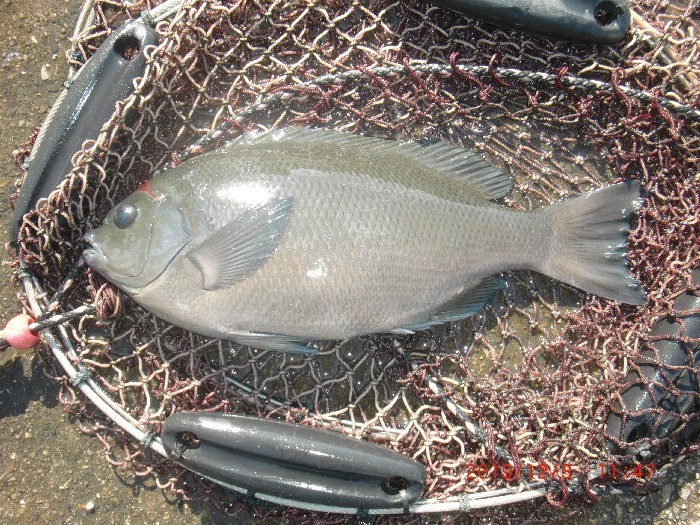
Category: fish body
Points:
column 298, row 235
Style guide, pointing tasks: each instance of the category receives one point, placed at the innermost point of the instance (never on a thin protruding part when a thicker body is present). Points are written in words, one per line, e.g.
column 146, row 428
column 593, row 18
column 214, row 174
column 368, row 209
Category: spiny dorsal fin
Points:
column 243, row 245
column 452, row 161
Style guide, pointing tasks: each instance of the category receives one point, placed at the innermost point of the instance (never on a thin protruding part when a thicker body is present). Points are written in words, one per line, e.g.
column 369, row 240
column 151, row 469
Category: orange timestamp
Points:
column 546, row 471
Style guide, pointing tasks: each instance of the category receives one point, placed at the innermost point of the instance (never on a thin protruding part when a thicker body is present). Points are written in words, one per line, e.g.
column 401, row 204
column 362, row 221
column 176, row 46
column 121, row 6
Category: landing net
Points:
column 532, row 380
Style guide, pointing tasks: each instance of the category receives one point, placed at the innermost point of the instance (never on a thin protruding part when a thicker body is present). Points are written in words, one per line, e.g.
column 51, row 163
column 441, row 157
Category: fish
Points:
column 295, row 235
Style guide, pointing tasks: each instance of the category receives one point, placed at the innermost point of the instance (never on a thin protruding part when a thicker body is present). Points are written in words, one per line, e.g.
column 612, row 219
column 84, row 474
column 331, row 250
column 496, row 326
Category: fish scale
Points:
column 378, row 279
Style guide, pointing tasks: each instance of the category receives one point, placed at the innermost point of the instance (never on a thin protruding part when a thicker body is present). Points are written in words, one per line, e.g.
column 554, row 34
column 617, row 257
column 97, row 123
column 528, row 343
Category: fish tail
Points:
column 589, row 238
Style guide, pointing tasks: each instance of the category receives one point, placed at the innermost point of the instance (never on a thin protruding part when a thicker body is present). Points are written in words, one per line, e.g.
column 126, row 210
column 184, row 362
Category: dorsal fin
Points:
column 466, row 165
column 449, row 160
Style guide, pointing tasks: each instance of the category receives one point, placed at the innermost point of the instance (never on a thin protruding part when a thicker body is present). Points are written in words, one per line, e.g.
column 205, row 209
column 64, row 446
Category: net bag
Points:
column 523, row 402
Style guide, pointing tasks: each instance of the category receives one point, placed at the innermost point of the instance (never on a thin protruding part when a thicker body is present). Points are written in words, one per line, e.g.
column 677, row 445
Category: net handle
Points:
column 86, row 18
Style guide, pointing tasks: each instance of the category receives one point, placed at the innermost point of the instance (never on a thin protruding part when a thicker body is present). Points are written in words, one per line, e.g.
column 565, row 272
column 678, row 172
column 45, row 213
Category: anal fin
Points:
column 274, row 342
column 464, row 305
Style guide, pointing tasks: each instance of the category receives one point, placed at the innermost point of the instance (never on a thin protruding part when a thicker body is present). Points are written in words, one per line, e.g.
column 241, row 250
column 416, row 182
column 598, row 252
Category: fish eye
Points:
column 125, row 215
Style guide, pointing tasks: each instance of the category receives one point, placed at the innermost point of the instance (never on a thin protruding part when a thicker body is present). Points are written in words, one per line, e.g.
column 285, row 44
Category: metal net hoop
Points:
column 529, row 381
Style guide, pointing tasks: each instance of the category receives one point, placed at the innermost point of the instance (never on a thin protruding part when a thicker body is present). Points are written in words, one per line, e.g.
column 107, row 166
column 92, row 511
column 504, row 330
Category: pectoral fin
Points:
column 243, row 245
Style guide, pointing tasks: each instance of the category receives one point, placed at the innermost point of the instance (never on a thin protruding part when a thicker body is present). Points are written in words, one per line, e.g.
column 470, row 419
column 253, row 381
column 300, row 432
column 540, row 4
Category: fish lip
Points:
column 94, row 252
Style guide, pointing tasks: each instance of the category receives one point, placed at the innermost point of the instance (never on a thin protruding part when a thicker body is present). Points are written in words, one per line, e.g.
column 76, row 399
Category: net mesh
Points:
column 538, row 371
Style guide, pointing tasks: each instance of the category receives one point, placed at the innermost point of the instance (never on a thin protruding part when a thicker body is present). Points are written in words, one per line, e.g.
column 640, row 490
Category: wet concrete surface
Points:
column 50, row 472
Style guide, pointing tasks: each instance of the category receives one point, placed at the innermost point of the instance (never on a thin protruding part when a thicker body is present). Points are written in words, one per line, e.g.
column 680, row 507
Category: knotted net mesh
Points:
column 533, row 379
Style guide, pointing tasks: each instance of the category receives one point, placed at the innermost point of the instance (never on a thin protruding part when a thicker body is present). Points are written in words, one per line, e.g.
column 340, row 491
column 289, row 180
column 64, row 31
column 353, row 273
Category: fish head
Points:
column 137, row 241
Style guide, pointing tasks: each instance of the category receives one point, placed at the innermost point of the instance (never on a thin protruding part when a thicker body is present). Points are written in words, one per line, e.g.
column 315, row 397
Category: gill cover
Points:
column 137, row 240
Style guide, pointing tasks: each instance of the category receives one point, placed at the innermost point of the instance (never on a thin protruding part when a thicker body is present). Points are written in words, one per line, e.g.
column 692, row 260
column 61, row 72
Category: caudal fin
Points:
column 590, row 233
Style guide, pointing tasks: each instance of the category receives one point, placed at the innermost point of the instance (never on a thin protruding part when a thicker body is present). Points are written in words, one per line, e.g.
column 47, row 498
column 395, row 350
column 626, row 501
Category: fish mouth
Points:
column 93, row 254
column 95, row 258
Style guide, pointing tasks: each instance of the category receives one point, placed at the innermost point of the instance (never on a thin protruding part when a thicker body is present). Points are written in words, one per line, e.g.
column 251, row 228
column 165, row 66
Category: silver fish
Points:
column 289, row 236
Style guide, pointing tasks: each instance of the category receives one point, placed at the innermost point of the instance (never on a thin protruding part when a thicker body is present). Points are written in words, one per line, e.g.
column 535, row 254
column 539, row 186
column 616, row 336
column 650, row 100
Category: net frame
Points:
column 470, row 72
